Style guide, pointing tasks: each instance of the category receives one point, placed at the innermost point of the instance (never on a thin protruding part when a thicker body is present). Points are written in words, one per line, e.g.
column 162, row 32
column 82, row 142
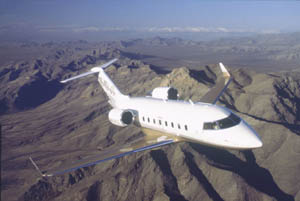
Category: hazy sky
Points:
column 150, row 15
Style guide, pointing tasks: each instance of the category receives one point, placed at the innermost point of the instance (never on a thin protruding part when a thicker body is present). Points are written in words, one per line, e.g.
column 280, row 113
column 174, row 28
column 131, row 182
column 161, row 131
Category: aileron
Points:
column 138, row 145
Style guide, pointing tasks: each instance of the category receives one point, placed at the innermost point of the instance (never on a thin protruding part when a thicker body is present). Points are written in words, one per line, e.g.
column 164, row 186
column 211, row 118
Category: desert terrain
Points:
column 55, row 123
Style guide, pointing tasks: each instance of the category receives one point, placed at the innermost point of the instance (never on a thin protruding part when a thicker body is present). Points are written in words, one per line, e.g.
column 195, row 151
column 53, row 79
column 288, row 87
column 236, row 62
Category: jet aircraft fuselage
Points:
column 200, row 122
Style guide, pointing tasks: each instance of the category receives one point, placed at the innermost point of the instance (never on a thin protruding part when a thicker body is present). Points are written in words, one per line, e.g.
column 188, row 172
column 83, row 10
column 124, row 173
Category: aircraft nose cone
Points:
column 253, row 139
column 256, row 143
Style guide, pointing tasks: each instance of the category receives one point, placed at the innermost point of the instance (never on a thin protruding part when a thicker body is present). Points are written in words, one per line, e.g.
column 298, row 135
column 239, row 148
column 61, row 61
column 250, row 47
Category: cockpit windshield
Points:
column 228, row 122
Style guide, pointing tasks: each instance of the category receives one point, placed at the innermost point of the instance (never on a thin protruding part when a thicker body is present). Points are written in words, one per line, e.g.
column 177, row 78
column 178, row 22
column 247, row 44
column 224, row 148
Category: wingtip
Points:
column 36, row 167
column 224, row 70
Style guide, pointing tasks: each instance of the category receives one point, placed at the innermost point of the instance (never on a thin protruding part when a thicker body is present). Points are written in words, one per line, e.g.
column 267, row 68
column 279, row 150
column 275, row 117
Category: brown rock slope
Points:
column 54, row 123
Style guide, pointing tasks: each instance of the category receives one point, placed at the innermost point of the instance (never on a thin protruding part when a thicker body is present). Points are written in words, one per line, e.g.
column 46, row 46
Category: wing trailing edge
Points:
column 118, row 152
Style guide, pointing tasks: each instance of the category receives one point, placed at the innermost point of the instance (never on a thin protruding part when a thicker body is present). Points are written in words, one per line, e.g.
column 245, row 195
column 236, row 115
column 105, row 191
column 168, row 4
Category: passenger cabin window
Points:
column 159, row 122
column 148, row 119
column 185, row 127
column 143, row 118
column 166, row 123
column 172, row 124
column 154, row 121
column 230, row 121
column 178, row 126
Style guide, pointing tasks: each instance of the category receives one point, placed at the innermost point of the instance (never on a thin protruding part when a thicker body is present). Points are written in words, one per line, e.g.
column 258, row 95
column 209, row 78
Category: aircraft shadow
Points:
column 256, row 176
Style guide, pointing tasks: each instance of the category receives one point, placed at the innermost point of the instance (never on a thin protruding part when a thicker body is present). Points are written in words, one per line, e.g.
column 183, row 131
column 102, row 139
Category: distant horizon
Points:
column 115, row 37
column 98, row 20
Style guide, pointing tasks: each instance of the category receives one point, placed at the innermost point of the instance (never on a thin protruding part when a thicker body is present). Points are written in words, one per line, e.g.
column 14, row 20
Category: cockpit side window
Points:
column 227, row 122
column 235, row 118
column 210, row 126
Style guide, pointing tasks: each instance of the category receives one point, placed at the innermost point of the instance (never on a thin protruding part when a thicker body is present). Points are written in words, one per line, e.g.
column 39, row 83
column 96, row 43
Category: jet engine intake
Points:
column 165, row 93
column 121, row 117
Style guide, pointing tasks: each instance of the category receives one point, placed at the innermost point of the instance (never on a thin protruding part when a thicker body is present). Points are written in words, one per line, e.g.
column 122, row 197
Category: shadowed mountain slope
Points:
column 55, row 123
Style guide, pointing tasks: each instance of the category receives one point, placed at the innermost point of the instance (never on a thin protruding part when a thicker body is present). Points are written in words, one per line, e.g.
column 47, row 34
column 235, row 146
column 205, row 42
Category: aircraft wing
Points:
column 141, row 144
column 213, row 95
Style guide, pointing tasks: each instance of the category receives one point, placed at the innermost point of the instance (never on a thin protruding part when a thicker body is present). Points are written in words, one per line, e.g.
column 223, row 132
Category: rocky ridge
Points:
column 67, row 122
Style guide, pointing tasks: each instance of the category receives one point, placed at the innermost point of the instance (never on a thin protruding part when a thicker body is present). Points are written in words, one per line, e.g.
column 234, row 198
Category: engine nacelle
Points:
column 121, row 117
column 165, row 93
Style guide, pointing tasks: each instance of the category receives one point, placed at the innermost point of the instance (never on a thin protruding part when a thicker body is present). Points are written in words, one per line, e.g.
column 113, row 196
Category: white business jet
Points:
column 166, row 120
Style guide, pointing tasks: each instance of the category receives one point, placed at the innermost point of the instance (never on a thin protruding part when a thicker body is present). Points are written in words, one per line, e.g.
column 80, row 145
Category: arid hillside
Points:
column 54, row 123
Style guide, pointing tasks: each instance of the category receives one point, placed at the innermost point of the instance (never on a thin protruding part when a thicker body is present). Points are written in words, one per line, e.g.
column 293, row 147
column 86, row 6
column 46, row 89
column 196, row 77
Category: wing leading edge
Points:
column 213, row 95
column 92, row 71
column 118, row 152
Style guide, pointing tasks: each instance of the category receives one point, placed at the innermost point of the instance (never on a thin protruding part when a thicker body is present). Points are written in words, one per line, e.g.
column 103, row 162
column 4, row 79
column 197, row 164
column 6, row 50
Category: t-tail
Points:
column 106, row 83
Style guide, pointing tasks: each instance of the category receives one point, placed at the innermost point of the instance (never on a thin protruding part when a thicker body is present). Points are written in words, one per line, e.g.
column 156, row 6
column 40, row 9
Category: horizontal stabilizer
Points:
column 78, row 76
column 92, row 71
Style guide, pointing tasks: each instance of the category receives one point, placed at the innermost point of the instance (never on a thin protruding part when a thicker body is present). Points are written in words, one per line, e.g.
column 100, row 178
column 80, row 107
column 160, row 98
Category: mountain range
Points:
column 54, row 123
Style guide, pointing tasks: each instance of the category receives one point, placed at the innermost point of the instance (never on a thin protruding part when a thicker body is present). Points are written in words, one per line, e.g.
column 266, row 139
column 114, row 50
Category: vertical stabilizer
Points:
column 110, row 88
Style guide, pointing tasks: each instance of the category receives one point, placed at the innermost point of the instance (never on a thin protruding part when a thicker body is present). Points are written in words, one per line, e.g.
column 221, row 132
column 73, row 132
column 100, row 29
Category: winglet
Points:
column 36, row 167
column 224, row 71
column 212, row 96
